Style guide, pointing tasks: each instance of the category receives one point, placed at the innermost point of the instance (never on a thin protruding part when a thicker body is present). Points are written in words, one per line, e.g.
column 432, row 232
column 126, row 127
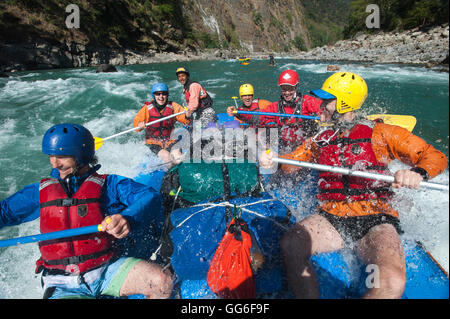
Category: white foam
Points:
column 125, row 159
column 18, row 266
column 424, row 216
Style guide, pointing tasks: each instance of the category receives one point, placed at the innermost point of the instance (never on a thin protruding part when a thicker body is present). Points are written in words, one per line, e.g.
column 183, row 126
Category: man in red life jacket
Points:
column 76, row 196
column 157, row 136
column 246, row 93
column 197, row 99
column 355, row 210
column 292, row 131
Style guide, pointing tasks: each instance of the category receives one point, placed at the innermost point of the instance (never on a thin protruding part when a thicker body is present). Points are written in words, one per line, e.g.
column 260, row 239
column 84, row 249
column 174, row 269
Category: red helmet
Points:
column 288, row 77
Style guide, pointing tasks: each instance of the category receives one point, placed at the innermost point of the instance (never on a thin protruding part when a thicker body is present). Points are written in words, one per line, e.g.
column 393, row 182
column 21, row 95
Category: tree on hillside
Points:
column 397, row 14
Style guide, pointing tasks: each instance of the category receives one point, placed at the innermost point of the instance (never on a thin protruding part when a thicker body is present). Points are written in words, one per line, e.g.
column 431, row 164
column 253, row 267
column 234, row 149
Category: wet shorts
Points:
column 103, row 281
column 355, row 228
column 155, row 148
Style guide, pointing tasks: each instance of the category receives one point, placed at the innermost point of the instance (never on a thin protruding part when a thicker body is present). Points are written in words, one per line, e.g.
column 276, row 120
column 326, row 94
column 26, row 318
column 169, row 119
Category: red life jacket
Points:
column 59, row 212
column 354, row 151
column 248, row 118
column 205, row 100
column 292, row 130
column 160, row 130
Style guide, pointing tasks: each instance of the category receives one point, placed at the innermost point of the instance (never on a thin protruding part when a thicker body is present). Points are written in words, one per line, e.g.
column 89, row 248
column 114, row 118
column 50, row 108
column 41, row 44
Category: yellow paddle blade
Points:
column 98, row 142
column 406, row 121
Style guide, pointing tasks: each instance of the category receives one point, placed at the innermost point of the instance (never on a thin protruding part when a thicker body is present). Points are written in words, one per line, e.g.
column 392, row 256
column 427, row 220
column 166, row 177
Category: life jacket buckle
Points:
column 68, row 202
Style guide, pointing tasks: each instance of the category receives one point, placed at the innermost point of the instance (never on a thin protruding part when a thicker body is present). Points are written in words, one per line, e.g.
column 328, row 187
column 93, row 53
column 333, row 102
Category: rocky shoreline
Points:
column 426, row 47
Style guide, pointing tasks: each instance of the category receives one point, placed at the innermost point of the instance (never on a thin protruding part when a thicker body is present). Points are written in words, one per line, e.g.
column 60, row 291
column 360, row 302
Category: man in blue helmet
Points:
column 76, row 196
column 157, row 136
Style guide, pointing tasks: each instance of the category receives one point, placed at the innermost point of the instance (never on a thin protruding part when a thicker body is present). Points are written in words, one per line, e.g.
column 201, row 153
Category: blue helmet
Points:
column 159, row 87
column 69, row 139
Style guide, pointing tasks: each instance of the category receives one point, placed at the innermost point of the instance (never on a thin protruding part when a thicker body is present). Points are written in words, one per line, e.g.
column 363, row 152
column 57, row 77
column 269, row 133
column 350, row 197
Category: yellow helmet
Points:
column 246, row 89
column 182, row 70
column 349, row 89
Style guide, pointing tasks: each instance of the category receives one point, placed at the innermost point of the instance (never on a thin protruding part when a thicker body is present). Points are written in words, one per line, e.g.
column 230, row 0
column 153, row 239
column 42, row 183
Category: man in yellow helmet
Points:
column 246, row 93
column 355, row 210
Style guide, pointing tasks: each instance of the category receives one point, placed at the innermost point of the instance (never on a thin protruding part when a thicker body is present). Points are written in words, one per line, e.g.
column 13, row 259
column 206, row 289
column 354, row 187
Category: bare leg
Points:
column 313, row 235
column 165, row 156
column 382, row 247
column 148, row 279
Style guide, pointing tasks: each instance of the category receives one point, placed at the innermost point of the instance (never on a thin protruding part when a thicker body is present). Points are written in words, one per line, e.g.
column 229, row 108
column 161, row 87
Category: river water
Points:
column 106, row 103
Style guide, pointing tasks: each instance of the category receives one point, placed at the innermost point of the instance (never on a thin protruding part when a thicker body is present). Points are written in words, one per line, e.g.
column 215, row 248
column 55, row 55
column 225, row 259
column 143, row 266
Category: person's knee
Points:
column 393, row 282
column 161, row 285
column 164, row 155
column 150, row 280
column 389, row 283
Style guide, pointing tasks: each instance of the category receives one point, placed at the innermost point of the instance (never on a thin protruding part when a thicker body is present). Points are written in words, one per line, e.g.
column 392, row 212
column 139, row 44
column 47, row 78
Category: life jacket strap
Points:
column 77, row 259
column 66, row 202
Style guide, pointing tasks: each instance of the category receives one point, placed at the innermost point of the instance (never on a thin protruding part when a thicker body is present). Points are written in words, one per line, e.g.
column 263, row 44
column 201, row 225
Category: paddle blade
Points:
column 98, row 142
column 406, row 121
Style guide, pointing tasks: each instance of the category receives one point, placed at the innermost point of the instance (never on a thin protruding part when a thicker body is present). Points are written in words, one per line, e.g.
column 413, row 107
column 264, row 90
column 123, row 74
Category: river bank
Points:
column 427, row 47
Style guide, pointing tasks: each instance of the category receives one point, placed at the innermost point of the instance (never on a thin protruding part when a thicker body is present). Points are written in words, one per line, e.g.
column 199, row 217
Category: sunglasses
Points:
column 161, row 93
column 287, row 88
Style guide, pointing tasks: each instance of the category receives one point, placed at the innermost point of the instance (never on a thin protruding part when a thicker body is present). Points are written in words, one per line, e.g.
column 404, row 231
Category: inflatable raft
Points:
column 197, row 231
column 341, row 275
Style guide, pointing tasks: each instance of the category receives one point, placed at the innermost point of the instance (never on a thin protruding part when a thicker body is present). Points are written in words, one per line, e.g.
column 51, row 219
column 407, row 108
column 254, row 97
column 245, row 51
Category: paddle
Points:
column 235, row 98
column 406, row 121
column 50, row 236
column 278, row 114
column 348, row 171
column 99, row 141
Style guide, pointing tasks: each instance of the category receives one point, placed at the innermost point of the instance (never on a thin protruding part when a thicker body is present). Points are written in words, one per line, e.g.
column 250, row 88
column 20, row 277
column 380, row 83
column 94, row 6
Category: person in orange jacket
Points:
column 157, row 136
column 246, row 93
column 355, row 210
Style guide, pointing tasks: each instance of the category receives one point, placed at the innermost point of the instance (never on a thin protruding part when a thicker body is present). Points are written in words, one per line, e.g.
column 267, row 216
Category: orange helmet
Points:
column 288, row 77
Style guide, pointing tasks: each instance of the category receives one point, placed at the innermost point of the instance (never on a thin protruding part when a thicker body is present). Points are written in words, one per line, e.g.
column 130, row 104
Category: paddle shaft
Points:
column 308, row 117
column 147, row 124
column 347, row 171
column 50, row 236
column 235, row 103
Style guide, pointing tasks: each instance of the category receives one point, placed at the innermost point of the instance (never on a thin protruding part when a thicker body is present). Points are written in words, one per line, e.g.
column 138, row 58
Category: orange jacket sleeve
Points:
column 393, row 142
column 177, row 108
column 263, row 104
column 305, row 153
column 141, row 116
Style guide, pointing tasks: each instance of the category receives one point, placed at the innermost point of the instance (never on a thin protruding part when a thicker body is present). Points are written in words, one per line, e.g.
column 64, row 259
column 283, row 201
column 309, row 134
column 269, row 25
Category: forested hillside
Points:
column 171, row 25
column 397, row 14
